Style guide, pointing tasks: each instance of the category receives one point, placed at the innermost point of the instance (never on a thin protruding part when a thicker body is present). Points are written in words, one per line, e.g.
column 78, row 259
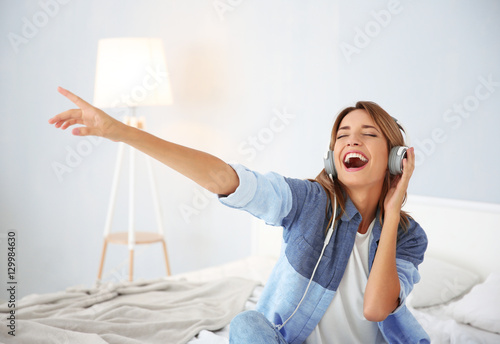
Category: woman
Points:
column 353, row 290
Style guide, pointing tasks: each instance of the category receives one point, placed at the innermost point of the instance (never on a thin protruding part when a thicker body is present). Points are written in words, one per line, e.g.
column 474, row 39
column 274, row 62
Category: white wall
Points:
column 233, row 69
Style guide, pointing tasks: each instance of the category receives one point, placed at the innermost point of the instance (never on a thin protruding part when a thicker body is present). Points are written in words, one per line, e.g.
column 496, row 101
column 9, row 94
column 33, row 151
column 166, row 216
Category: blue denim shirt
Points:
column 300, row 207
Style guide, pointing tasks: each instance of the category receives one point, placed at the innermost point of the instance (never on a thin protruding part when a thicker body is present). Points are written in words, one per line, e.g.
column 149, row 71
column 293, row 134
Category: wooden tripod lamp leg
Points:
column 167, row 264
column 131, row 210
column 131, row 265
column 99, row 275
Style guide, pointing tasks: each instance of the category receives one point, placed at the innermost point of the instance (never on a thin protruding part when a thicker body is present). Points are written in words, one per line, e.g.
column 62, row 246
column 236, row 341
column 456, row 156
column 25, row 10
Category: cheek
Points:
column 383, row 161
column 336, row 152
column 334, row 145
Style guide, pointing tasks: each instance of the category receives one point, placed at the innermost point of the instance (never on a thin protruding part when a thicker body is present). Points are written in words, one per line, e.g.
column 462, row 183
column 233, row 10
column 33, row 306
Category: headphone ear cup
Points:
column 330, row 164
column 396, row 157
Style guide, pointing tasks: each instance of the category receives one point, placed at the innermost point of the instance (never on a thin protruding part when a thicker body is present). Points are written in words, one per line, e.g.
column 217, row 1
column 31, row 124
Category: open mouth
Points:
column 355, row 160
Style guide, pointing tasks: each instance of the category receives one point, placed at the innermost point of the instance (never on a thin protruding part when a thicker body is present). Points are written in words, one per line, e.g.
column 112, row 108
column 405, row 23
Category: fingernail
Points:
column 76, row 131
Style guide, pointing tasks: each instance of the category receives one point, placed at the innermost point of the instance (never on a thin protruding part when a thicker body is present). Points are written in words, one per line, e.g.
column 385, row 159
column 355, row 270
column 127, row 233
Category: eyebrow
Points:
column 364, row 126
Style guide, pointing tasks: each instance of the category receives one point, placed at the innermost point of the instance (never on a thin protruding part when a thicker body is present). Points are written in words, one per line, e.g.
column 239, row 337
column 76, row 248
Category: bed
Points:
column 457, row 300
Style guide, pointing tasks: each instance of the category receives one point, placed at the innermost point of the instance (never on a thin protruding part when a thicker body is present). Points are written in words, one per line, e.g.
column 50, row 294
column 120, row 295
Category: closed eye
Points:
column 368, row 134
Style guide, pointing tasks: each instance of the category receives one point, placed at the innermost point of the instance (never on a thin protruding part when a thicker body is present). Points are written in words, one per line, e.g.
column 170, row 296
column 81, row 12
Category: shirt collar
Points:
column 350, row 210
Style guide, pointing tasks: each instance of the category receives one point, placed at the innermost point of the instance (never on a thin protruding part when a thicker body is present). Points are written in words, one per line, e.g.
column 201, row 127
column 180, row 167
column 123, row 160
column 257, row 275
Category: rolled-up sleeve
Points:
column 266, row 196
column 408, row 276
column 410, row 253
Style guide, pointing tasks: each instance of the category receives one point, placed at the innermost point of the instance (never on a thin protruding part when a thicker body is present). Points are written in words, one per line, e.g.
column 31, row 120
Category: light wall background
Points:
column 257, row 82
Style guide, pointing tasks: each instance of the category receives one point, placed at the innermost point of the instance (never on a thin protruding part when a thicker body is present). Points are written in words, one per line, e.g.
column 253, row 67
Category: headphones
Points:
column 395, row 163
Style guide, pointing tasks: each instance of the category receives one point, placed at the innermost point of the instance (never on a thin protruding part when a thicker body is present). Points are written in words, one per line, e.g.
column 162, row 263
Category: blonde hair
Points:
column 394, row 137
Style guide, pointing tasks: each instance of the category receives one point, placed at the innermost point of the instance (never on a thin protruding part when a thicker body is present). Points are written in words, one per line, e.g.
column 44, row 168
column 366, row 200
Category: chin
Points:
column 357, row 179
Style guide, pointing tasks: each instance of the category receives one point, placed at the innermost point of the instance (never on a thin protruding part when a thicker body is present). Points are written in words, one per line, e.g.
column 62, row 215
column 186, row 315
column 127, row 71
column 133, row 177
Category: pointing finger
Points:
column 82, row 104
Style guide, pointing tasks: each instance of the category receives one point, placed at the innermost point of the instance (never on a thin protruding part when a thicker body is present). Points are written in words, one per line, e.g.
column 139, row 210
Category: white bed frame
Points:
column 461, row 232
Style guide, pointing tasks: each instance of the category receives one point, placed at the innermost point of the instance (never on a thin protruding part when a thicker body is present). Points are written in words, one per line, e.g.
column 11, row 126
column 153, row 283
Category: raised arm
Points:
column 207, row 170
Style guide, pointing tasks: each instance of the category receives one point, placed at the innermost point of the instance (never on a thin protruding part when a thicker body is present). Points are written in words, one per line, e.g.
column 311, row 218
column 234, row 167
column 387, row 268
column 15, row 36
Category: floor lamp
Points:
column 131, row 72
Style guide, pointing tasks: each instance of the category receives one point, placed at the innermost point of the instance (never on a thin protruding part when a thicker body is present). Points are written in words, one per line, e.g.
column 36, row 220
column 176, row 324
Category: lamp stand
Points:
column 131, row 237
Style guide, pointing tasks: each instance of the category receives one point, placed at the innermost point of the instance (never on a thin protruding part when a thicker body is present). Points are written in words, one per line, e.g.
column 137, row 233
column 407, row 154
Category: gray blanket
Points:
column 160, row 311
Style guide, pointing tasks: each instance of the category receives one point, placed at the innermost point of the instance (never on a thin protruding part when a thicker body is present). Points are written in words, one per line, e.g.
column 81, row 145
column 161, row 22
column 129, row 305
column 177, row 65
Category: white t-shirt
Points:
column 343, row 321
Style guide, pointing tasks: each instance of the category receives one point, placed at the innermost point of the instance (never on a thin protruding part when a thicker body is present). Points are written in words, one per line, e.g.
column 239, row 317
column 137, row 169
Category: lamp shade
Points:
column 131, row 72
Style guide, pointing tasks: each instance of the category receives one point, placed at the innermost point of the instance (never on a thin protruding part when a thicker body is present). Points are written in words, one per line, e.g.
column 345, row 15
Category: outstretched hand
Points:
column 95, row 121
column 397, row 190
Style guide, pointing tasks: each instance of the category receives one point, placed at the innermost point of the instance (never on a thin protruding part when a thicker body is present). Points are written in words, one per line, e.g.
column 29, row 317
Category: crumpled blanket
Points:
column 159, row 311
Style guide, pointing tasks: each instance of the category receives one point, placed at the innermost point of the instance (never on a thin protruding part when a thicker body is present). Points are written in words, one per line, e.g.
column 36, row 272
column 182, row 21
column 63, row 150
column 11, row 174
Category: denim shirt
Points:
column 300, row 207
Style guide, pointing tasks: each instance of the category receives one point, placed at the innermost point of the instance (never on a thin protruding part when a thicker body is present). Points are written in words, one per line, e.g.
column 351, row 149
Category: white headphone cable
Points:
column 326, row 242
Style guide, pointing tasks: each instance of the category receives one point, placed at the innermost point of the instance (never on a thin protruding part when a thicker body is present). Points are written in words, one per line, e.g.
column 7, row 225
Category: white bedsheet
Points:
column 444, row 329
column 222, row 336
column 255, row 268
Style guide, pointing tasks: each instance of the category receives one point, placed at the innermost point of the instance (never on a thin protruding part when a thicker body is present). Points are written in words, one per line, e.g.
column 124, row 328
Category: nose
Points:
column 353, row 140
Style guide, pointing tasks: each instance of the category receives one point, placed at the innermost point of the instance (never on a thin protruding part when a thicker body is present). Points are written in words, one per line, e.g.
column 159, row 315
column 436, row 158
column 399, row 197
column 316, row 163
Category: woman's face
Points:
column 360, row 151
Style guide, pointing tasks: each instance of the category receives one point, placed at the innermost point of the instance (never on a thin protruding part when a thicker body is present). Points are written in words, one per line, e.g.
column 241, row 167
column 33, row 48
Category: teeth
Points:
column 355, row 155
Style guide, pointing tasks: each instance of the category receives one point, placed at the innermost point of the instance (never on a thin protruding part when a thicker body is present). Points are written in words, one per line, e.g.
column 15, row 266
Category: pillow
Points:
column 481, row 306
column 440, row 282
